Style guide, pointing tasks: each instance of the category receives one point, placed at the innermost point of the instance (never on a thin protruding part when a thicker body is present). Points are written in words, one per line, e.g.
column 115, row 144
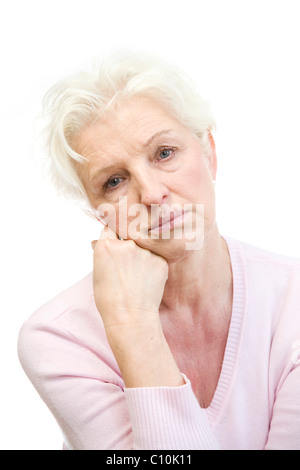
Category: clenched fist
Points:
column 129, row 280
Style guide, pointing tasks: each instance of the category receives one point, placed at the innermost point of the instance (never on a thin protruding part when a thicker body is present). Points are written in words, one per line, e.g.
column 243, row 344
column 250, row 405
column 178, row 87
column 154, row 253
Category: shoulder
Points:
column 273, row 269
column 73, row 296
column 272, row 287
column 57, row 310
column 57, row 333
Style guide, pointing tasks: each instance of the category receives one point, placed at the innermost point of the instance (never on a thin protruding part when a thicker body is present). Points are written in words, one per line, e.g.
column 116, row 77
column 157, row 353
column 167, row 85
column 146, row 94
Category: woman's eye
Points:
column 165, row 153
column 112, row 183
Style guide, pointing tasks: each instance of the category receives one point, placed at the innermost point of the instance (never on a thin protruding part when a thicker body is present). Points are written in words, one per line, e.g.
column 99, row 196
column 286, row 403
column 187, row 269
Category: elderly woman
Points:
column 180, row 338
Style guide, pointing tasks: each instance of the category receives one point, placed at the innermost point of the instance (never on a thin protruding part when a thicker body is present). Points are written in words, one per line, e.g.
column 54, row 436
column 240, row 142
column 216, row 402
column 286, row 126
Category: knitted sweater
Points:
column 64, row 351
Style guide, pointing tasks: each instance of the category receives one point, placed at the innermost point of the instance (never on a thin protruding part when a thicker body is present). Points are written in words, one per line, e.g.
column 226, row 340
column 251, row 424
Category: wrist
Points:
column 143, row 355
column 130, row 319
column 135, row 337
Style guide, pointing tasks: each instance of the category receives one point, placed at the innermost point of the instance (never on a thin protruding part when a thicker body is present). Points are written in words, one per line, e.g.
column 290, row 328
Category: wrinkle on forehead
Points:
column 126, row 128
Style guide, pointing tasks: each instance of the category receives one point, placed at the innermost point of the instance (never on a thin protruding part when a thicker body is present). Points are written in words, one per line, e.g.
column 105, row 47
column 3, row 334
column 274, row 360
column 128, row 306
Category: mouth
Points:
column 168, row 222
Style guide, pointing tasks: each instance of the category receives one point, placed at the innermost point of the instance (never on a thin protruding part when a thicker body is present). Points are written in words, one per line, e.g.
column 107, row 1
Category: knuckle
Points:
column 130, row 244
column 97, row 250
column 101, row 246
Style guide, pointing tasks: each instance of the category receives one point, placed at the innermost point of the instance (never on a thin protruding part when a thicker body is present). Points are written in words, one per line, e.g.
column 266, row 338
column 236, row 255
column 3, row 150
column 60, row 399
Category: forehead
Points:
column 129, row 124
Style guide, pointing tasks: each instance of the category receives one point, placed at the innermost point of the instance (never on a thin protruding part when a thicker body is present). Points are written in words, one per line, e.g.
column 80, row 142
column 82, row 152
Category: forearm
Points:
column 143, row 355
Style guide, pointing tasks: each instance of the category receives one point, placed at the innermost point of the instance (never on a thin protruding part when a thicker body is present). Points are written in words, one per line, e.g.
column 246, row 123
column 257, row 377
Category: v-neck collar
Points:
column 231, row 355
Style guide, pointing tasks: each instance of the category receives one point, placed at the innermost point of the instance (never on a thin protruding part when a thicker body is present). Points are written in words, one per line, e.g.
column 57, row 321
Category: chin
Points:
column 171, row 249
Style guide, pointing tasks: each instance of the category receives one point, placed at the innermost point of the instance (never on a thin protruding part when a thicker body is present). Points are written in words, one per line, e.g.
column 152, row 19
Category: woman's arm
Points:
column 128, row 287
column 284, row 431
column 76, row 375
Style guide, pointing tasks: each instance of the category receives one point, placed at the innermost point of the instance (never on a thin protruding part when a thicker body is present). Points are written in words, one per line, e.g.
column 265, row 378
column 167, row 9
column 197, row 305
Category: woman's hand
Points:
column 129, row 283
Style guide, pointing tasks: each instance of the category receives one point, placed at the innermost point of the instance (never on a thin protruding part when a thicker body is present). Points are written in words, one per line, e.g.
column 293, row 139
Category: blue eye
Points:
column 166, row 153
column 112, row 183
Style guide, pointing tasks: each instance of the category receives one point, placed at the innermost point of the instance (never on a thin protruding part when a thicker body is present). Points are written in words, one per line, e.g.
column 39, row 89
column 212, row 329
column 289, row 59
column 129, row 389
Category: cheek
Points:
column 126, row 220
column 121, row 216
column 194, row 181
column 197, row 187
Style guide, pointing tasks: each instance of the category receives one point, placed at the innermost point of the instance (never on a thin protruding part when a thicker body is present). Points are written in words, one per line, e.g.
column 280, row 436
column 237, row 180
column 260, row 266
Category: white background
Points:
column 244, row 56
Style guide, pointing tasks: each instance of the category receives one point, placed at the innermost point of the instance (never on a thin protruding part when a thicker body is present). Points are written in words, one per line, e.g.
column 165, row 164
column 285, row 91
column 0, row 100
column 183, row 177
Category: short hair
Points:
column 84, row 97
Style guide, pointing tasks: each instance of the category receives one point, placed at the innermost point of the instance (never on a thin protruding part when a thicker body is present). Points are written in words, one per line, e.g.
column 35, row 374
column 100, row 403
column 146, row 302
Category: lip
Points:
column 168, row 222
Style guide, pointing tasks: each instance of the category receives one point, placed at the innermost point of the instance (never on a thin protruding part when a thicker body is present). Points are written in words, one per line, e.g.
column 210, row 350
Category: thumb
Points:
column 106, row 233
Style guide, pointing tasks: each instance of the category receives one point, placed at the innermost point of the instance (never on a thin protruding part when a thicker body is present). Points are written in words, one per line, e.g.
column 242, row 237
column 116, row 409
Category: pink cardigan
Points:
column 64, row 351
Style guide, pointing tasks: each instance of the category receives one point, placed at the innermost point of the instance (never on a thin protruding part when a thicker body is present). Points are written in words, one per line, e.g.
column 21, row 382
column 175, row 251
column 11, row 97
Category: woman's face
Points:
column 148, row 175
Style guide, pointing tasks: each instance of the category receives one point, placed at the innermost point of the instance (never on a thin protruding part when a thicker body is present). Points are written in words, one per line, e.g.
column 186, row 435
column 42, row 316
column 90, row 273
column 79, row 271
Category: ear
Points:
column 212, row 156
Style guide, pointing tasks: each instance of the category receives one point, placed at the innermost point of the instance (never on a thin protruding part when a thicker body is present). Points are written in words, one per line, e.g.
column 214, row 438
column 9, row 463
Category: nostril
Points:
column 154, row 195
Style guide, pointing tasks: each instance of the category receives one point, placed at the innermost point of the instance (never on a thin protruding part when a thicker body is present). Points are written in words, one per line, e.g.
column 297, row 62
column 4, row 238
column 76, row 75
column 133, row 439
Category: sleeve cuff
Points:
column 168, row 418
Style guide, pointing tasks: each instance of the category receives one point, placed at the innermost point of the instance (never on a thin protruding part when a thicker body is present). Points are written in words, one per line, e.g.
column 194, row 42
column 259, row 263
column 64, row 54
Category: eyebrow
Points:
column 146, row 144
column 157, row 134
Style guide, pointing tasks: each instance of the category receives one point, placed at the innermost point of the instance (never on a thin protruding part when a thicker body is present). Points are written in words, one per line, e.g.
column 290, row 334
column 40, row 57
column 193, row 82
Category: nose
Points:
column 151, row 187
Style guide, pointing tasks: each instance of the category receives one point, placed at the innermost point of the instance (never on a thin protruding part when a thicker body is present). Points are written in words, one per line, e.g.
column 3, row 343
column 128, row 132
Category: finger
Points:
column 106, row 233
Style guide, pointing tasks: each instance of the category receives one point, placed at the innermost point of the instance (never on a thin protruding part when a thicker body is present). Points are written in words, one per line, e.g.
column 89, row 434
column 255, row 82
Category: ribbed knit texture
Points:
column 158, row 412
column 234, row 335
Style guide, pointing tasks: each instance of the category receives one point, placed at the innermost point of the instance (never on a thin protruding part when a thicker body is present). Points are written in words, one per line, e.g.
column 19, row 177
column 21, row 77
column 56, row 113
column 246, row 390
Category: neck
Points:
column 201, row 282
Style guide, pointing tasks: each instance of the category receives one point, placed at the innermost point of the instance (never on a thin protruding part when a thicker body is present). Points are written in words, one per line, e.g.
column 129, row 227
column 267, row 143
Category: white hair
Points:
column 85, row 97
